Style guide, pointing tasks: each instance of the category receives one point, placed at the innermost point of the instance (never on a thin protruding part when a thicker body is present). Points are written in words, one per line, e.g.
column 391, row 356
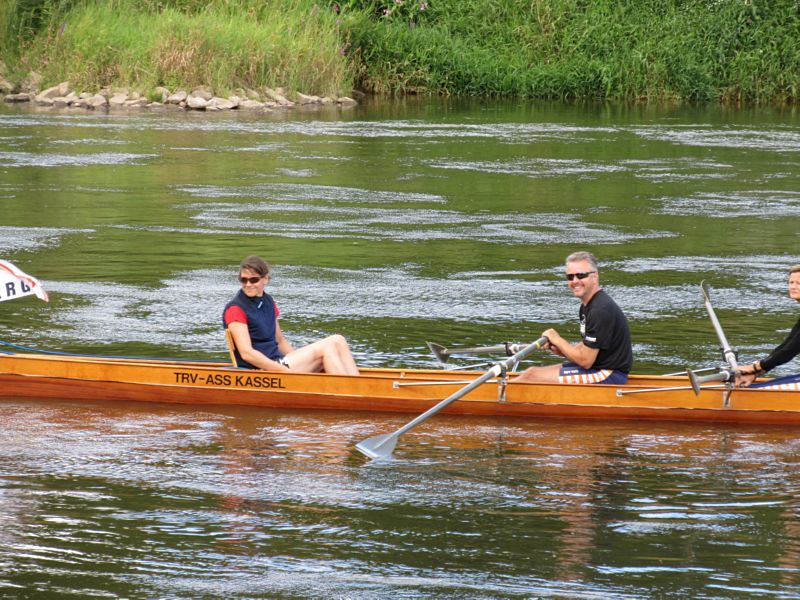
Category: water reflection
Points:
column 27, row 159
column 14, row 239
column 764, row 204
column 395, row 226
column 153, row 499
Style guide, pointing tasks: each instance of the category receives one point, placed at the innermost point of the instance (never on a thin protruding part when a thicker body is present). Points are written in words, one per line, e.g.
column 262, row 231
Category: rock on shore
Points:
column 63, row 96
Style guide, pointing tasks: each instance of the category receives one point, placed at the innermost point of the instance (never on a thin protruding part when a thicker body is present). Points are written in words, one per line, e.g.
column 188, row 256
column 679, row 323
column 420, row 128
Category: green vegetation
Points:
column 224, row 44
column 633, row 50
column 651, row 50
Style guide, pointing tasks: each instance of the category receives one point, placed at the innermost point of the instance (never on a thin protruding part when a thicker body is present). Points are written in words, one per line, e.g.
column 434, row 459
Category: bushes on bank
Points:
column 652, row 50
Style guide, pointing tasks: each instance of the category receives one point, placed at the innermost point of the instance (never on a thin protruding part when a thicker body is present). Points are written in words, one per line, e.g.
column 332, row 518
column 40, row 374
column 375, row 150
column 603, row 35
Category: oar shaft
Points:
column 676, row 388
column 443, row 353
column 703, row 370
column 478, row 349
column 727, row 353
column 493, row 372
column 382, row 445
column 496, row 370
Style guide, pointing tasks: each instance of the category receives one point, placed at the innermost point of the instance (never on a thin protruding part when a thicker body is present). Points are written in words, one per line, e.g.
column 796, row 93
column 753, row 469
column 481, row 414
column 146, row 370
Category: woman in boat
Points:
column 786, row 351
column 252, row 318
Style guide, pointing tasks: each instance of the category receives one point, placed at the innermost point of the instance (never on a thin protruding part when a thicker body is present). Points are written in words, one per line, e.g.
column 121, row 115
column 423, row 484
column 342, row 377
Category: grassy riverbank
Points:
column 223, row 44
column 654, row 50
column 633, row 50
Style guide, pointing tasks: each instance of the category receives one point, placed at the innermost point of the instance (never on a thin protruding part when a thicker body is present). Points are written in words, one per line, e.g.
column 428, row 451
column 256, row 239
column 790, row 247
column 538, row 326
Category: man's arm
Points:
column 579, row 353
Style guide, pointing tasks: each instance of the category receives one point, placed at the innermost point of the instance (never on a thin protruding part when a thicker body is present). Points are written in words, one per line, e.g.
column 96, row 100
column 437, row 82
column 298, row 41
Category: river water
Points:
column 395, row 224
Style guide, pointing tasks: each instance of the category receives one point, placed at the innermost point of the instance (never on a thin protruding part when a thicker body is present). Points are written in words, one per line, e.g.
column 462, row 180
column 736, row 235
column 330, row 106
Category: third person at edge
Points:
column 786, row 351
column 604, row 355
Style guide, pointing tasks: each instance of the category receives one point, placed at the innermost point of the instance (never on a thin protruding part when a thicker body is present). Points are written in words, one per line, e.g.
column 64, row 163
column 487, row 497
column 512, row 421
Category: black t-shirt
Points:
column 789, row 348
column 604, row 326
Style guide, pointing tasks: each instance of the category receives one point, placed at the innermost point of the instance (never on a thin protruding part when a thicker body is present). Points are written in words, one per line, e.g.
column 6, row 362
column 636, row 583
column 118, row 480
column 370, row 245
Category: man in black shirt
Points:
column 604, row 355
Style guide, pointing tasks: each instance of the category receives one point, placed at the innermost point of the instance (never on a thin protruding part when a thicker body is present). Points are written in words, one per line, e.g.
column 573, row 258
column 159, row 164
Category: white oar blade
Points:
column 378, row 446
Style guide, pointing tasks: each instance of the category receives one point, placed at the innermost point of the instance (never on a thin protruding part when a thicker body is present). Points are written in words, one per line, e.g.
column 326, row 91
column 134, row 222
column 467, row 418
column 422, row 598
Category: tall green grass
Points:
column 651, row 50
column 224, row 44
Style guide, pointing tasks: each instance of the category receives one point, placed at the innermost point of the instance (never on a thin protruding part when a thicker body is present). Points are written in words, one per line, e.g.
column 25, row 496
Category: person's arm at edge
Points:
column 786, row 351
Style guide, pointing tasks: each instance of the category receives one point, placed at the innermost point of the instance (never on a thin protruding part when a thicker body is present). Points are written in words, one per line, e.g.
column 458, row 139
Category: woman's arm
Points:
column 241, row 338
column 786, row 351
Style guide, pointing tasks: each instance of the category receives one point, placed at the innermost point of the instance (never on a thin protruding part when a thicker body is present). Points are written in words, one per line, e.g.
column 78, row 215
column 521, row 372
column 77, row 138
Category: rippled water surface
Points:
column 394, row 225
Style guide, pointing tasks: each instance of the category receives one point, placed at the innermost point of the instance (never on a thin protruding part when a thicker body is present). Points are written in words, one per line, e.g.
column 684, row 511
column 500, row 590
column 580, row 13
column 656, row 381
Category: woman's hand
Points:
column 747, row 374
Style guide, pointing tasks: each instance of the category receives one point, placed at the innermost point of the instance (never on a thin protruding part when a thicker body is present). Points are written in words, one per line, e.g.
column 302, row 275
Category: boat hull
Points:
column 387, row 390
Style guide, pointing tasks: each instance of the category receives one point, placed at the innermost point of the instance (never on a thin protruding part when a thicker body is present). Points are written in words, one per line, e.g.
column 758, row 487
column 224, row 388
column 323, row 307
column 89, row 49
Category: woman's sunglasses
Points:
column 571, row 276
column 252, row 280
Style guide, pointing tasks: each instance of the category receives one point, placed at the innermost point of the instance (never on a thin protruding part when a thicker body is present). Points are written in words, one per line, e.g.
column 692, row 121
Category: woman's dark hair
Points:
column 256, row 264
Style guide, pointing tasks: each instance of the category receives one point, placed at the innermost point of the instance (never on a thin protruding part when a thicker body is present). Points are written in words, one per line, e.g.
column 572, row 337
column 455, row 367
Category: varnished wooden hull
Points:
column 394, row 390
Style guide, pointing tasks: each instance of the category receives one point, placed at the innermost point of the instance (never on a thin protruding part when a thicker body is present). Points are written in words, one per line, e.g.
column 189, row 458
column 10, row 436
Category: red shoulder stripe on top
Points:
column 234, row 314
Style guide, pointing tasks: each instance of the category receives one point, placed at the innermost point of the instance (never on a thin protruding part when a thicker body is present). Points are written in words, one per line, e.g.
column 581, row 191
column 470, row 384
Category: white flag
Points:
column 16, row 284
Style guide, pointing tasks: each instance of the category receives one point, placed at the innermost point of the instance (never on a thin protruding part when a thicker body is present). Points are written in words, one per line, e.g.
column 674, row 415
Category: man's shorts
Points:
column 788, row 383
column 572, row 373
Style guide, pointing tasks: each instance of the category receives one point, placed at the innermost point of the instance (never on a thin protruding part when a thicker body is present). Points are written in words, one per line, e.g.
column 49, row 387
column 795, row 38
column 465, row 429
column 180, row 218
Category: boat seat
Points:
column 231, row 346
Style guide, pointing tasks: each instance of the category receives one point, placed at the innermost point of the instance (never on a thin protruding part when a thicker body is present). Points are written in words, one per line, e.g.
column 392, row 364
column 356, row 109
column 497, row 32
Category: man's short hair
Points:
column 579, row 256
column 794, row 269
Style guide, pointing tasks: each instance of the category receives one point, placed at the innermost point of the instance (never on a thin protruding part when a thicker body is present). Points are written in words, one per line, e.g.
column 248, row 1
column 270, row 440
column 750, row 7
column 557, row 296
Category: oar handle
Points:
column 696, row 381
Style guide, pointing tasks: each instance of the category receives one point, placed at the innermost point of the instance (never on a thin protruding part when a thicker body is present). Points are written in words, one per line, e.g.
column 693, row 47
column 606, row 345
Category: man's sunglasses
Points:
column 252, row 280
column 571, row 276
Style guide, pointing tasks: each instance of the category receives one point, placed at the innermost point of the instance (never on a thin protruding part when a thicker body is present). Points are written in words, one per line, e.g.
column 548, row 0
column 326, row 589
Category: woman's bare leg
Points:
column 331, row 355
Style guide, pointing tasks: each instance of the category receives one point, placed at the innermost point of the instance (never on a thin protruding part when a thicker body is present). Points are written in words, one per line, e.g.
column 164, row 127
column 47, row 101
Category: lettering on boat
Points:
column 13, row 289
column 228, row 380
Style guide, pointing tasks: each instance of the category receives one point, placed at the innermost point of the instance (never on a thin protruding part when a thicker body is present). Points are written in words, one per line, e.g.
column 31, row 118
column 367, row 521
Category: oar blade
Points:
column 378, row 446
column 439, row 351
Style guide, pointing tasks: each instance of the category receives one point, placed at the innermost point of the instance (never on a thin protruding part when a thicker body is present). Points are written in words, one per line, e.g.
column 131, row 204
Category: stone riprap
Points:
column 63, row 96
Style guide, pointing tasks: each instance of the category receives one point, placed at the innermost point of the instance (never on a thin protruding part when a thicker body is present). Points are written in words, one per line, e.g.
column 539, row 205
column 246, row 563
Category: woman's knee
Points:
column 338, row 340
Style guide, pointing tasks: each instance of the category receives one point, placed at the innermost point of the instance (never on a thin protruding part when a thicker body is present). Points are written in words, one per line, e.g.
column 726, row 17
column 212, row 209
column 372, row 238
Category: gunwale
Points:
column 109, row 379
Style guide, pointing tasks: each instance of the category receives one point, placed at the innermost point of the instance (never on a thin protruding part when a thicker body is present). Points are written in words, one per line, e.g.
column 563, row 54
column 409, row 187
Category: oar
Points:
column 443, row 354
column 381, row 446
column 703, row 370
column 723, row 375
column 727, row 353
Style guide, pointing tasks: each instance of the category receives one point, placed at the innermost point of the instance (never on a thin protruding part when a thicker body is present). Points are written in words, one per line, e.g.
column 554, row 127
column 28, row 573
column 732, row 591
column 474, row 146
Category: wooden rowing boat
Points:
column 104, row 379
